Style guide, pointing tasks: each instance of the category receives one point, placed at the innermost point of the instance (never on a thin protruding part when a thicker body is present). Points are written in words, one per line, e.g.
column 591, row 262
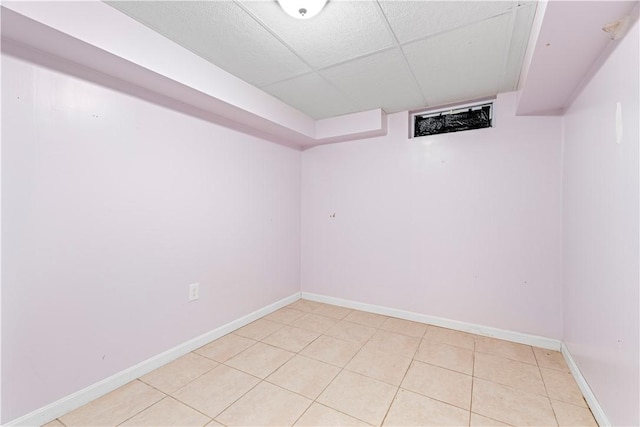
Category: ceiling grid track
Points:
column 398, row 46
column 507, row 48
column 275, row 36
column 314, row 70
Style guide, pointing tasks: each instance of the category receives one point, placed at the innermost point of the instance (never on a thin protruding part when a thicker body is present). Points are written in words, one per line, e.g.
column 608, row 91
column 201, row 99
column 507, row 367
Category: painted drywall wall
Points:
column 463, row 226
column 111, row 207
column 600, row 233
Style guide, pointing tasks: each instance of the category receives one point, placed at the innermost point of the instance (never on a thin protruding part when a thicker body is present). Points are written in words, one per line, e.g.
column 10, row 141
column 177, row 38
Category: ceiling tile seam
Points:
column 533, row 6
column 507, row 48
column 397, row 46
column 311, row 67
column 273, row 34
column 335, row 64
column 286, row 79
column 450, row 30
column 354, row 103
column 356, row 58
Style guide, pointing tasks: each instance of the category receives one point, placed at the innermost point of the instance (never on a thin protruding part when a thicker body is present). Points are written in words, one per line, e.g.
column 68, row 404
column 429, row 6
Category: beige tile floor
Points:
column 312, row 364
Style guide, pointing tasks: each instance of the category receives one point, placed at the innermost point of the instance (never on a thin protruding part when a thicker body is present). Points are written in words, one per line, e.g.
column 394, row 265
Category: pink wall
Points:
column 463, row 226
column 111, row 207
column 600, row 234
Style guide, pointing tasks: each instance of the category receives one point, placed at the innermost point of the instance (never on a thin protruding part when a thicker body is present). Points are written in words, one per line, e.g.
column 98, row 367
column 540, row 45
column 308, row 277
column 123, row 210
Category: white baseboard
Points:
column 594, row 405
column 82, row 397
column 534, row 340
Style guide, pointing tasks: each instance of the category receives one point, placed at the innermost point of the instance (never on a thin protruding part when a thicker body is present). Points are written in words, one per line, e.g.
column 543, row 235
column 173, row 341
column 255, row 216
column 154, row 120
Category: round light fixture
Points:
column 302, row 9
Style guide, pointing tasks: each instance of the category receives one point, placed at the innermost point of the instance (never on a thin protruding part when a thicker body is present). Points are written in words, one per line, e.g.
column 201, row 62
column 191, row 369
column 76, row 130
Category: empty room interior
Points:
column 319, row 213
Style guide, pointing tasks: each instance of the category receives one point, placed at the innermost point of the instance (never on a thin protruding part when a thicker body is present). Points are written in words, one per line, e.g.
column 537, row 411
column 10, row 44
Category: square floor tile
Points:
column 265, row 405
column 259, row 329
column 351, row 332
column 321, row 416
column 291, row 338
column 225, row 347
column 451, row 337
column 285, row 315
column 260, row 360
column 304, row 376
column 562, row 386
column 366, row 319
column 314, row 322
column 331, row 350
column 573, row 415
column 509, row 372
column 383, row 366
column 446, row 356
column 511, row 406
column 506, row 349
column 411, row 409
column 550, row 359
column 392, row 342
column 438, row 383
column 168, row 412
column 359, row 396
column 115, row 407
column 215, row 390
column 405, row 327
column 179, row 373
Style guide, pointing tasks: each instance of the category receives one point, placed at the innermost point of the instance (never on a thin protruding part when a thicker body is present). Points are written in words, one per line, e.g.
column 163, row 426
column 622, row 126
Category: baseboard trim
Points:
column 82, row 397
column 589, row 396
column 518, row 337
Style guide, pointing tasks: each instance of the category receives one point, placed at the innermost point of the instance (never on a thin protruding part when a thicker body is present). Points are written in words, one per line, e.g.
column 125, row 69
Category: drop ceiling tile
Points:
column 342, row 31
column 381, row 80
column 312, row 95
column 222, row 33
column 412, row 20
column 518, row 47
column 463, row 64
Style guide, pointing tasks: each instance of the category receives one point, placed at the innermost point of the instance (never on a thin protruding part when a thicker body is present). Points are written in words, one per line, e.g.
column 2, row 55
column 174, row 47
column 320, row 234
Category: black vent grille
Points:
column 468, row 118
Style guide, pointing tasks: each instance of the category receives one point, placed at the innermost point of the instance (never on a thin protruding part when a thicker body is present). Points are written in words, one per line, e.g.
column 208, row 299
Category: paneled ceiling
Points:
column 355, row 55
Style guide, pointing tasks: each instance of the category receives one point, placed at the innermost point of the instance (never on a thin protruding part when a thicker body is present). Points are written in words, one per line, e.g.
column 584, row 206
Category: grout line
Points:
column 265, row 380
column 190, row 381
column 544, row 383
column 146, row 407
column 139, row 412
column 395, row 396
column 260, row 380
column 473, row 378
column 342, row 368
column 175, row 398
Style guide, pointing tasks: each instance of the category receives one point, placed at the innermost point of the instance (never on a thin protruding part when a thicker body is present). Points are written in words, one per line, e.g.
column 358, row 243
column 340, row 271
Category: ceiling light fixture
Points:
column 302, row 9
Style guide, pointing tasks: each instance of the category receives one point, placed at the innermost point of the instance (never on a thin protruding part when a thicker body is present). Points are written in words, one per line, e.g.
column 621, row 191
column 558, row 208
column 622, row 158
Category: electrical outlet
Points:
column 194, row 291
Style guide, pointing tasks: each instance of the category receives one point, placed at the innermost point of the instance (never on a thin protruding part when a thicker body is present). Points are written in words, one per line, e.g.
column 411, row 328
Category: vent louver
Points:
column 453, row 120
